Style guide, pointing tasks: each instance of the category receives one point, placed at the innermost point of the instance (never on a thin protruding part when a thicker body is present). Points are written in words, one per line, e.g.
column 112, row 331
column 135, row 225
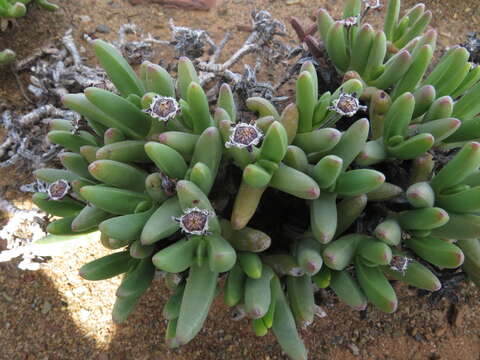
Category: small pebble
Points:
column 441, row 331
column 223, row 11
column 84, row 315
column 354, row 349
column 458, row 315
column 47, row 306
column 104, row 29
column 114, row 4
column 85, row 18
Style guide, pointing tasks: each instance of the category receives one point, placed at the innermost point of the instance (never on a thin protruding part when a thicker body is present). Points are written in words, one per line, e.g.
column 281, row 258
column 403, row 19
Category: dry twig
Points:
column 22, row 229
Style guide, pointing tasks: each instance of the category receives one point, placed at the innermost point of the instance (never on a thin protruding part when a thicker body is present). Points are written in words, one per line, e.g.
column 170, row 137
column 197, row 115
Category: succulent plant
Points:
column 12, row 9
column 281, row 202
column 7, row 56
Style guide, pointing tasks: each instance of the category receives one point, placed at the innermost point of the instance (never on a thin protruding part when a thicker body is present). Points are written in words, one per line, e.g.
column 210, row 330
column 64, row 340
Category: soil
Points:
column 54, row 314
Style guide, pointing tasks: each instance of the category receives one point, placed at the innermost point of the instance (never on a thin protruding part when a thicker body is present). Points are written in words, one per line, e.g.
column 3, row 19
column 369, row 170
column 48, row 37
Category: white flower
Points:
column 163, row 108
column 58, row 189
column 347, row 105
column 194, row 221
column 400, row 263
column 244, row 136
column 372, row 4
column 350, row 21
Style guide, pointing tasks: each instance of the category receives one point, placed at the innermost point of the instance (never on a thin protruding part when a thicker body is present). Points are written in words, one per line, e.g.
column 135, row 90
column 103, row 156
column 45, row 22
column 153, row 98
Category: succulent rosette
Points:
column 373, row 182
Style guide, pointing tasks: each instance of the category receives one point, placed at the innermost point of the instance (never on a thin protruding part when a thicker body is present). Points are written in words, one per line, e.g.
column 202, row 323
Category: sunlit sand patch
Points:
column 90, row 303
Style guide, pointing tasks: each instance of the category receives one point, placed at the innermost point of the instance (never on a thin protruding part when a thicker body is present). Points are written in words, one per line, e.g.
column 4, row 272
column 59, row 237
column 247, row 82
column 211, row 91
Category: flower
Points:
column 163, row 108
column 244, row 136
column 347, row 105
column 400, row 263
column 194, row 221
column 350, row 21
column 58, row 189
column 372, row 4
column 169, row 185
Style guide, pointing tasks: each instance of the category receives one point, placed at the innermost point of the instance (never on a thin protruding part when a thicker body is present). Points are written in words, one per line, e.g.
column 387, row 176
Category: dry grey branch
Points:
column 57, row 70
column 25, row 139
column 262, row 41
column 136, row 51
column 188, row 42
column 22, row 229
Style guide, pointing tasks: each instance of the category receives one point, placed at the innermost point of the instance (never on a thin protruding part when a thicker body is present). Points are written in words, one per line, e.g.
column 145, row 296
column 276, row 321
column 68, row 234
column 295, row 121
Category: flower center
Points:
column 347, row 104
column 58, row 190
column 245, row 135
column 164, row 107
column 400, row 263
column 350, row 21
column 194, row 221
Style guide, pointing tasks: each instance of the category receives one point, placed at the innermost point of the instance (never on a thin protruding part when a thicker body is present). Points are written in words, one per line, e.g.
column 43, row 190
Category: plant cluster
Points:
column 13, row 9
column 282, row 202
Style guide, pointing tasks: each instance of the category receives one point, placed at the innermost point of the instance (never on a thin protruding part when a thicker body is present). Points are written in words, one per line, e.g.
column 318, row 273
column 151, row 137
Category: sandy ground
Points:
column 54, row 314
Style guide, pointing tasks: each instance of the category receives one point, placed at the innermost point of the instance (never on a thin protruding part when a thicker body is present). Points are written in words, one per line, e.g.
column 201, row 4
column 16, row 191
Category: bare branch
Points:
column 23, row 227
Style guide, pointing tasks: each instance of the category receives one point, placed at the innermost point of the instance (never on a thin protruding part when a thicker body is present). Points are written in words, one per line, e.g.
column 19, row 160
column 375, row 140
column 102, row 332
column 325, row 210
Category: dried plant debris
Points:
column 25, row 138
column 263, row 41
column 23, row 228
column 57, row 70
column 248, row 86
column 189, row 42
column 134, row 51
column 473, row 45
column 140, row 50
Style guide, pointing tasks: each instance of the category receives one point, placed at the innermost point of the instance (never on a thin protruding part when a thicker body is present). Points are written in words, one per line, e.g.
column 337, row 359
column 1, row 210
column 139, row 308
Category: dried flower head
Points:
column 169, row 185
column 244, row 136
column 194, row 221
column 347, row 105
column 163, row 108
column 238, row 313
column 103, row 84
column 58, row 189
column 137, row 51
column 79, row 124
column 400, row 263
column 350, row 21
column 372, row 4
column 319, row 311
